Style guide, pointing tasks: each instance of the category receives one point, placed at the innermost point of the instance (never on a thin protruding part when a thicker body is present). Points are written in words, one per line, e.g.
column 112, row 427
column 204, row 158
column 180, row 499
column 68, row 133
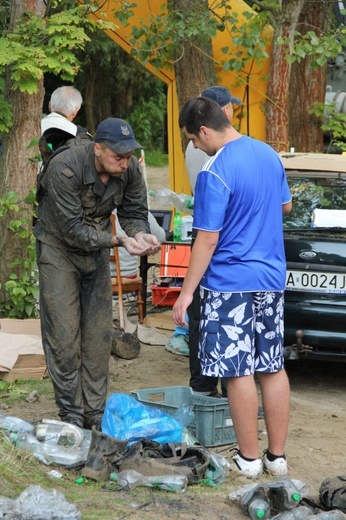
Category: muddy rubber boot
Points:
column 125, row 345
column 103, row 449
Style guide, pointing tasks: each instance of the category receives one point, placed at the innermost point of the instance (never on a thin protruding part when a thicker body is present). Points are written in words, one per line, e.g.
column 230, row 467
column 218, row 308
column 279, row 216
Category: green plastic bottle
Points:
column 177, row 227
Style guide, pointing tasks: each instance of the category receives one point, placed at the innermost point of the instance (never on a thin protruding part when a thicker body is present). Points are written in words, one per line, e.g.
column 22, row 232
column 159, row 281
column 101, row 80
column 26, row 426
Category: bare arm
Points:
column 286, row 208
column 201, row 254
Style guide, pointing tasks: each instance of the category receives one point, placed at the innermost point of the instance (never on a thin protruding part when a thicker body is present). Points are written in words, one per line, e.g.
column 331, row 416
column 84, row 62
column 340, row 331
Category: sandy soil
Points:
column 316, row 441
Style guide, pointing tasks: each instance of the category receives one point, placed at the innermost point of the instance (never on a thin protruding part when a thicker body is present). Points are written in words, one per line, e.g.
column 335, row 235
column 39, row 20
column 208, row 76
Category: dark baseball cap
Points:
column 117, row 134
column 221, row 95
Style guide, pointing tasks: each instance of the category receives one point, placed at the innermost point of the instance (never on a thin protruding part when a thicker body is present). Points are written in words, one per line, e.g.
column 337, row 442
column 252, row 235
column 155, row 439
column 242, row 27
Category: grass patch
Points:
column 13, row 391
column 156, row 158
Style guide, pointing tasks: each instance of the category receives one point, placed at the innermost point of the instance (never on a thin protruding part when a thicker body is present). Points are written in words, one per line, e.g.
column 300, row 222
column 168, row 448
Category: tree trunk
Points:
column 194, row 67
column 277, row 105
column 17, row 173
column 308, row 86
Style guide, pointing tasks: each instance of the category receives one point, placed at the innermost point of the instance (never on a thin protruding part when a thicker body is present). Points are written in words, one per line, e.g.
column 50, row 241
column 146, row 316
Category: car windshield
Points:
column 314, row 193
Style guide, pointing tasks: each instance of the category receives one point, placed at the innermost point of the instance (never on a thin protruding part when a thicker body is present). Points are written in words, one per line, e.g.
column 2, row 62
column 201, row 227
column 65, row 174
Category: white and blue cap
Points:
column 117, row 134
column 221, row 95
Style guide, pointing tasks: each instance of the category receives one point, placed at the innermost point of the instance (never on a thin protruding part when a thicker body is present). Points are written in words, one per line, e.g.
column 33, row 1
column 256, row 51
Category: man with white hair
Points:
column 64, row 105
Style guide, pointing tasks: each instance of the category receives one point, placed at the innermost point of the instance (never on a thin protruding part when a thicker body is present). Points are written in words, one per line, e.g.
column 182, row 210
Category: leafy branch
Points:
column 30, row 50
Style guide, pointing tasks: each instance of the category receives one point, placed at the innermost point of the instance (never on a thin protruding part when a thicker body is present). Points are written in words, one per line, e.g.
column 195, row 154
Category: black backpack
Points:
column 52, row 142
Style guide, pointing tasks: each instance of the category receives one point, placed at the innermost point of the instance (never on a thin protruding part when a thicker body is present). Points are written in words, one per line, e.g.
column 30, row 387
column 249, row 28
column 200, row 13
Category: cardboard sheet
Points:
column 21, row 351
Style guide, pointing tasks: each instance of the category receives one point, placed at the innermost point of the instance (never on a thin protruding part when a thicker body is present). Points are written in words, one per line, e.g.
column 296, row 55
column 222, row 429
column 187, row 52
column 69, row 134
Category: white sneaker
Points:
column 276, row 467
column 248, row 468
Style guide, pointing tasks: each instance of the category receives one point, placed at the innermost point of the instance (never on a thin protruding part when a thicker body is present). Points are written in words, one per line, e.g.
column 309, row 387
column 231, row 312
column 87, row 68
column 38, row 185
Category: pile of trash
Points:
column 144, row 446
column 51, row 442
column 288, row 499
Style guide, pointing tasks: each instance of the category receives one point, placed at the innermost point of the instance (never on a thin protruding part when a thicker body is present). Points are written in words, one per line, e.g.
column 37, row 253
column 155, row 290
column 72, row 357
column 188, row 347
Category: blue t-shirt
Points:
column 240, row 193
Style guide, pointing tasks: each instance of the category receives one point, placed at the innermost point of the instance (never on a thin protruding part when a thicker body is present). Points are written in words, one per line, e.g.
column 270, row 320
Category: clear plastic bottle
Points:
column 258, row 508
column 130, row 479
column 184, row 415
column 58, row 432
column 177, row 227
column 167, row 197
column 336, row 514
column 48, row 452
column 299, row 513
column 27, row 442
column 15, row 424
column 283, row 495
column 257, row 495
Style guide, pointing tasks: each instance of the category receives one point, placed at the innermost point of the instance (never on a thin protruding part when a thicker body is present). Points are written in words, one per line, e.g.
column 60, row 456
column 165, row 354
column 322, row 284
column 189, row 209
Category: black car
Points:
column 315, row 245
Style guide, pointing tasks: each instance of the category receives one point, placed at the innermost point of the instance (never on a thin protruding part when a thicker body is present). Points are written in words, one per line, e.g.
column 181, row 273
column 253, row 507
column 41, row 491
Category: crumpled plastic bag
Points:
column 36, row 503
column 125, row 418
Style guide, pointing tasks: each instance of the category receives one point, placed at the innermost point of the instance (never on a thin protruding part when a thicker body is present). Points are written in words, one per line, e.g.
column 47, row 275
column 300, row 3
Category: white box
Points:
column 186, row 229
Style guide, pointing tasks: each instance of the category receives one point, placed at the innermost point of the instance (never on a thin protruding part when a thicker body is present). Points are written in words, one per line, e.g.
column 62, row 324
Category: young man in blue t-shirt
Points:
column 239, row 261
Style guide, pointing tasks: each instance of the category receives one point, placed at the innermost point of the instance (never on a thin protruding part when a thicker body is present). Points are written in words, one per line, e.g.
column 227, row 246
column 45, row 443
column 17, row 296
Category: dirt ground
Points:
column 316, row 443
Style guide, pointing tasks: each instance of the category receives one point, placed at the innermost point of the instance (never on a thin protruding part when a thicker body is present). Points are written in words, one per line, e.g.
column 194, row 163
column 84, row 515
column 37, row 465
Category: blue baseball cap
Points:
column 117, row 134
column 221, row 95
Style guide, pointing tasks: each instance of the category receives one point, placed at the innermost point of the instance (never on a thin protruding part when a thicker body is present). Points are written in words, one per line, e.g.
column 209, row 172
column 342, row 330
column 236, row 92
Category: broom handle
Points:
column 120, row 288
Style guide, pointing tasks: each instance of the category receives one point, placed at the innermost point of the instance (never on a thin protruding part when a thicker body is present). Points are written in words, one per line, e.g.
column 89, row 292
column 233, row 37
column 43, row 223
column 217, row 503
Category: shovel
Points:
column 124, row 344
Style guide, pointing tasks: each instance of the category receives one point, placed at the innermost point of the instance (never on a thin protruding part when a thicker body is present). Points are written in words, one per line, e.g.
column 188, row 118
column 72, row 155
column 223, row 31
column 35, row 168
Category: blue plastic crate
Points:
column 212, row 424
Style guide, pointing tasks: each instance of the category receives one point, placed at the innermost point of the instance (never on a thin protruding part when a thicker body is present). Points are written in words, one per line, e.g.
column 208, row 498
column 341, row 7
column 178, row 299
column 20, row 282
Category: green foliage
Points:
column 318, row 48
column 249, row 40
column 155, row 158
column 147, row 118
column 21, row 288
column 334, row 122
column 43, row 44
column 160, row 40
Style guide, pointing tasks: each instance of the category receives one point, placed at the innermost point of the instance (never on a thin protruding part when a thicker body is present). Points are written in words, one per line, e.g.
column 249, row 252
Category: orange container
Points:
column 164, row 296
column 175, row 260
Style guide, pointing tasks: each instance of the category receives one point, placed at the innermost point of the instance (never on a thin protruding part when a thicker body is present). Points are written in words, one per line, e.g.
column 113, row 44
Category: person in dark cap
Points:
column 80, row 188
column 195, row 159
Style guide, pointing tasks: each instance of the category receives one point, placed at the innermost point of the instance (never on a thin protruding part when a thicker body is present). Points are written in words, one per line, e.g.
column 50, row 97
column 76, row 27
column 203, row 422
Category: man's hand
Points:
column 180, row 308
column 132, row 246
column 148, row 242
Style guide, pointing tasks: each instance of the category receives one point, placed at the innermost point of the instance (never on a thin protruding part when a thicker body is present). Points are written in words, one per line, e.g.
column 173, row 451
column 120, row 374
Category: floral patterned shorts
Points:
column 241, row 333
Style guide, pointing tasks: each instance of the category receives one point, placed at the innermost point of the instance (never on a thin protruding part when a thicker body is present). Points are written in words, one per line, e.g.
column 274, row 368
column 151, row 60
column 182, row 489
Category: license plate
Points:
column 316, row 281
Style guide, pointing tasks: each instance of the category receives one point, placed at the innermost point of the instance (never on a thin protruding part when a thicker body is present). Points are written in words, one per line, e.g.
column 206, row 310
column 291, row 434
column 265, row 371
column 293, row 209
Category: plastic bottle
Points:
column 184, row 415
column 14, row 424
column 299, row 513
column 254, row 502
column 166, row 197
column 47, row 452
column 130, row 479
column 58, row 432
column 331, row 515
column 177, row 227
column 258, row 508
column 282, row 494
column 27, row 442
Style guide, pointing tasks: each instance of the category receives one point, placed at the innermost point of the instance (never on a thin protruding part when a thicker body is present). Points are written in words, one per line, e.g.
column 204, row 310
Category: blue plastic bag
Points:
column 125, row 418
